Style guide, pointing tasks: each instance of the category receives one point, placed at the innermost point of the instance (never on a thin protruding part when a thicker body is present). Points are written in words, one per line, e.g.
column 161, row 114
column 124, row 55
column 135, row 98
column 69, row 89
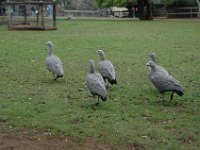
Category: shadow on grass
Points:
column 169, row 103
column 52, row 81
column 158, row 99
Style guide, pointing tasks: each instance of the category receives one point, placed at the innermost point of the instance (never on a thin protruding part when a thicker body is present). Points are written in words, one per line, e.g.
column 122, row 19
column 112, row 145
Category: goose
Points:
column 152, row 56
column 163, row 81
column 95, row 83
column 106, row 68
column 53, row 62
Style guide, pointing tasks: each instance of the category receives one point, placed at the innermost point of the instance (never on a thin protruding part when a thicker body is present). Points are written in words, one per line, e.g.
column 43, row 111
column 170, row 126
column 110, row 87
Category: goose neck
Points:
column 102, row 57
column 50, row 50
column 91, row 67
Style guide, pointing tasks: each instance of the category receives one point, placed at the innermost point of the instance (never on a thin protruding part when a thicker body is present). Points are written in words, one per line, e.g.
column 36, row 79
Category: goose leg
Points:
column 54, row 76
column 163, row 96
column 106, row 83
column 97, row 104
column 172, row 95
column 95, row 100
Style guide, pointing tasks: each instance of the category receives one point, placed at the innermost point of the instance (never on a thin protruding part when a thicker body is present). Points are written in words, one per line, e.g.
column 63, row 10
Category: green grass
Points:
column 133, row 114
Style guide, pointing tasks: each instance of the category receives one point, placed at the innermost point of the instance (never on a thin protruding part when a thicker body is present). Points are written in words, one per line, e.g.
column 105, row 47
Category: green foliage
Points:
column 110, row 3
column 169, row 2
column 187, row 2
column 162, row 2
column 2, row 1
column 134, row 113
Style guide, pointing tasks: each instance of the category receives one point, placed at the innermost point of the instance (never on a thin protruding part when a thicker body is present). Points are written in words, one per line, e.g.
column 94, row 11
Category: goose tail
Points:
column 113, row 82
column 180, row 93
column 103, row 98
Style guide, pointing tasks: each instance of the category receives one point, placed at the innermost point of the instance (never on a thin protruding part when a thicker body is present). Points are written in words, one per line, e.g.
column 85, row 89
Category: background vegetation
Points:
column 134, row 113
column 125, row 3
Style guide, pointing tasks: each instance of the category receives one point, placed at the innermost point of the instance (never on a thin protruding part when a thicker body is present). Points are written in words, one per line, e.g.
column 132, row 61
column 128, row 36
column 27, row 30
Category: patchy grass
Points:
column 134, row 115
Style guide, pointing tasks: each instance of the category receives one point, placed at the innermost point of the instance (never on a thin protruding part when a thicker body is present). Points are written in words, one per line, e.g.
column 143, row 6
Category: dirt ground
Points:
column 30, row 139
column 34, row 140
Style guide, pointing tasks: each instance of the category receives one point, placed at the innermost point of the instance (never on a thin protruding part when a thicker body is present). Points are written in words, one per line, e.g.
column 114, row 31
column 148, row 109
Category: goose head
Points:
column 150, row 64
column 101, row 54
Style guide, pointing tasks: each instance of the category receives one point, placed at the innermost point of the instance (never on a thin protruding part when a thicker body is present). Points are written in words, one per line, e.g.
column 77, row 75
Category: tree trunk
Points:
column 141, row 9
column 145, row 9
column 198, row 3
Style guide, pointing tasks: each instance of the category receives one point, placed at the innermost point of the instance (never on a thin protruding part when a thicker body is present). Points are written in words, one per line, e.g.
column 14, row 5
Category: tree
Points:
column 179, row 3
column 145, row 9
column 110, row 3
column 78, row 4
column 170, row 2
column 163, row 2
column 144, row 6
column 1, row 7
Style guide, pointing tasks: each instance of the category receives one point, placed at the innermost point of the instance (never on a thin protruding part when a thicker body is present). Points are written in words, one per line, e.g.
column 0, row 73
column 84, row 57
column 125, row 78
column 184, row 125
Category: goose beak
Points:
column 147, row 64
column 99, row 51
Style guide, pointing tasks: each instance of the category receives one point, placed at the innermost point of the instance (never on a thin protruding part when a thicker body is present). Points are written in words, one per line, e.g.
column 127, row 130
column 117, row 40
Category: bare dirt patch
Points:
column 30, row 139
column 33, row 140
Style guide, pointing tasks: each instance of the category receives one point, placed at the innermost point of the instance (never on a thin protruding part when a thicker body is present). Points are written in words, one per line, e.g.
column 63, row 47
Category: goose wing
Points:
column 100, row 78
column 167, row 83
column 171, row 84
column 95, row 85
column 107, row 70
column 54, row 65
column 162, row 70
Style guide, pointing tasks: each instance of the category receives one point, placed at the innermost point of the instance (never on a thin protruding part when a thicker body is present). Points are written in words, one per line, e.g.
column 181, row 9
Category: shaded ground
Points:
column 34, row 140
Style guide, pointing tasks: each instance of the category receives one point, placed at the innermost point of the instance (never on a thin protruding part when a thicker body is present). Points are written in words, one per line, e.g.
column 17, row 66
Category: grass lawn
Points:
column 134, row 113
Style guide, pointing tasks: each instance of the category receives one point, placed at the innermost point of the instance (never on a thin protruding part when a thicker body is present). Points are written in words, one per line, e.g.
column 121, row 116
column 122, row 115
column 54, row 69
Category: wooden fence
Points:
column 85, row 13
column 177, row 12
column 93, row 13
column 181, row 12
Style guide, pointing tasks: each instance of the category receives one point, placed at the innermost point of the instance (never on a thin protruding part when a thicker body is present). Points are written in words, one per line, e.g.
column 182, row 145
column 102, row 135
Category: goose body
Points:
column 53, row 62
column 95, row 83
column 106, row 68
column 163, row 81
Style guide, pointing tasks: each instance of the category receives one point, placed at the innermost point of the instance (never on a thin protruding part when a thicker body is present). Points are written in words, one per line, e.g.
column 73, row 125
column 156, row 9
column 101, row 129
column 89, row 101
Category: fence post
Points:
column 9, row 16
column 25, row 14
column 42, row 15
column 54, row 15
